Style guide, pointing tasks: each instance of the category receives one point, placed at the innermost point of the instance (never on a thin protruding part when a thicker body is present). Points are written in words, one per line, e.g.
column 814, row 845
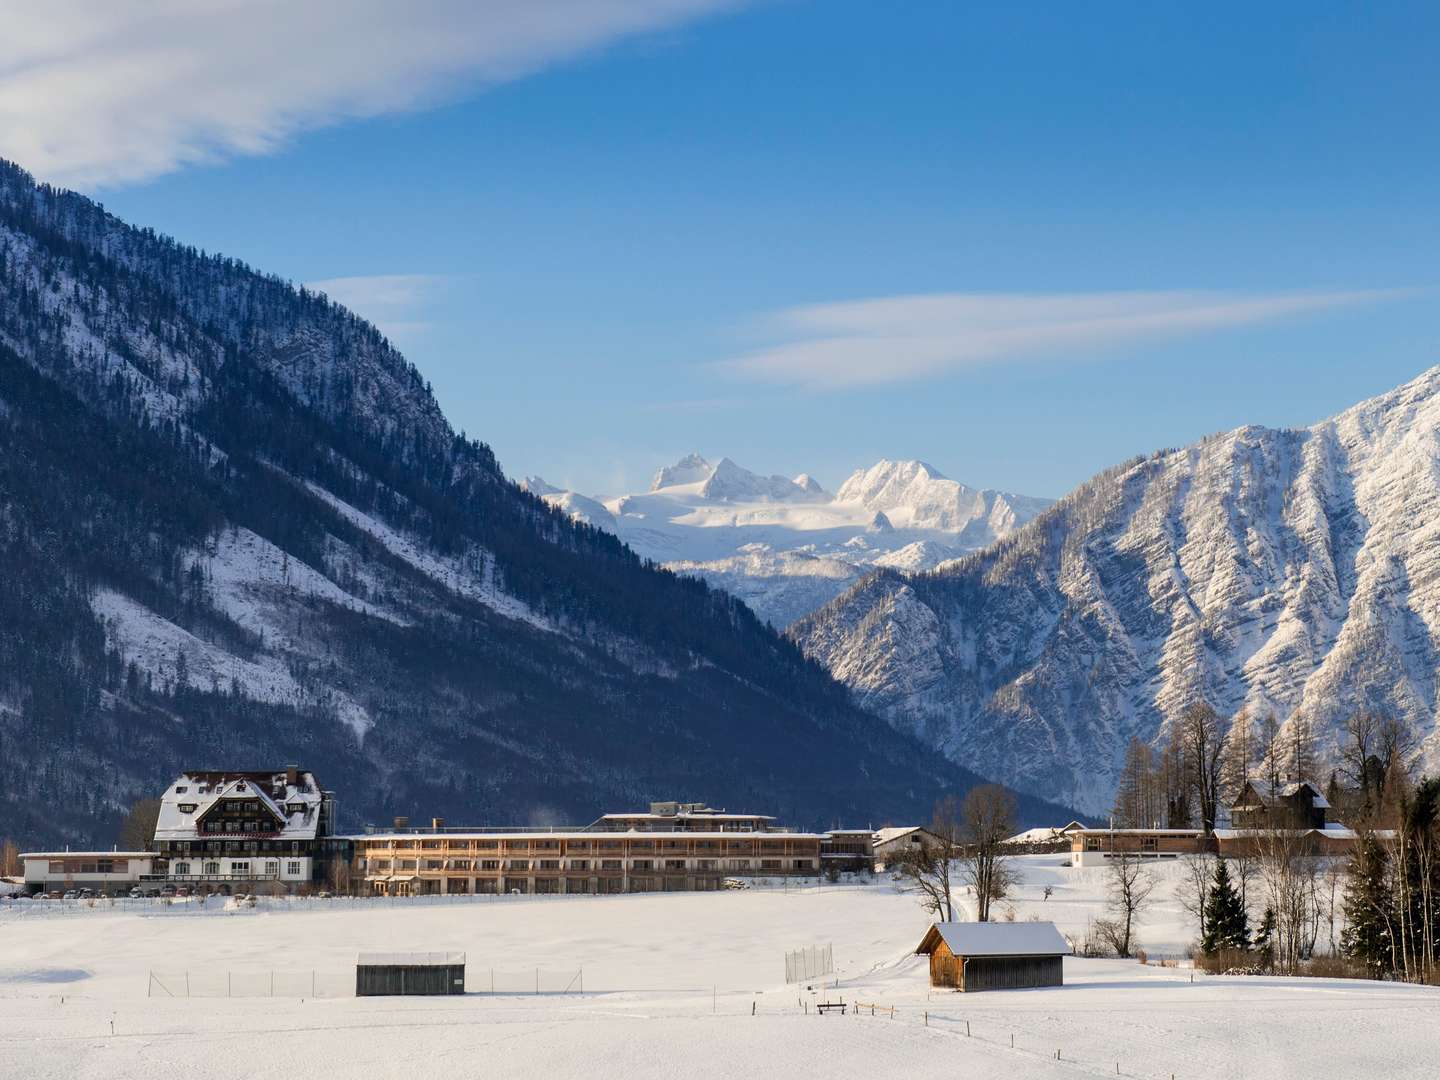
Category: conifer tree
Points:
column 1264, row 939
column 1369, row 908
column 1227, row 926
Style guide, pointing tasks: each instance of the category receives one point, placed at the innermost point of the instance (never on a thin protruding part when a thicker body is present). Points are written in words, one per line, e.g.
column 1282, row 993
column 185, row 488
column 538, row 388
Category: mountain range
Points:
column 238, row 531
column 1294, row 573
column 786, row 546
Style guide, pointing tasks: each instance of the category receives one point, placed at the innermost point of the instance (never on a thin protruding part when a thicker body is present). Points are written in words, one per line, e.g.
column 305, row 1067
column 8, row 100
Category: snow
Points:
column 1003, row 939
column 685, row 984
column 786, row 547
column 472, row 577
column 154, row 645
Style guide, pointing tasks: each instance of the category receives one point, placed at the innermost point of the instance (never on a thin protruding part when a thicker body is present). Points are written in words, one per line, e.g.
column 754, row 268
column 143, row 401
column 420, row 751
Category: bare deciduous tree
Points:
column 1139, row 800
column 138, row 828
column 928, row 866
column 1200, row 737
column 9, row 858
column 987, row 819
column 1128, row 892
column 1195, row 881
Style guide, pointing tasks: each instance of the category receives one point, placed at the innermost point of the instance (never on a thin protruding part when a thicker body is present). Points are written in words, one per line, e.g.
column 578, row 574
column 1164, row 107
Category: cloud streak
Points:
column 106, row 92
column 391, row 301
column 893, row 339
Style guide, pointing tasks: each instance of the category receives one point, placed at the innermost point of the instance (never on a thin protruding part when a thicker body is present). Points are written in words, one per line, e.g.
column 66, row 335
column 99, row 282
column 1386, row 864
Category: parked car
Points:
column 183, row 890
column 69, row 894
column 167, row 890
column 136, row 893
column 85, row 894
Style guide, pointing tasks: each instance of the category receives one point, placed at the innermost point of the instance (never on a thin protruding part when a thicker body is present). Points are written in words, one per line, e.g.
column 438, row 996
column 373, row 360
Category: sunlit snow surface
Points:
column 670, row 983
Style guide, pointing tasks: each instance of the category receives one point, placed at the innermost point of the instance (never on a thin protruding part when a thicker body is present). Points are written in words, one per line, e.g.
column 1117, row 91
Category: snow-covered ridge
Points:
column 1293, row 572
column 786, row 546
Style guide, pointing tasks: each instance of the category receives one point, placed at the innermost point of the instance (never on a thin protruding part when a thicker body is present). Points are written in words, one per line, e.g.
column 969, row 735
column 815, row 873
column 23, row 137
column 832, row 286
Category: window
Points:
column 57, row 866
column 579, row 864
column 405, row 864
column 1148, row 843
column 802, row 864
column 212, row 868
column 518, row 864
column 241, row 867
column 549, row 864
column 378, row 864
column 182, row 869
column 272, row 869
column 489, row 864
column 769, row 864
column 610, row 864
column 1092, row 843
column 434, row 864
column 641, row 864
column 187, row 807
column 674, row 864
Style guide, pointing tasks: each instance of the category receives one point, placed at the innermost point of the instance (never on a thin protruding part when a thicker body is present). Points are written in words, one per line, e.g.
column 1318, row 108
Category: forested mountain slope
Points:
column 1293, row 573
column 236, row 530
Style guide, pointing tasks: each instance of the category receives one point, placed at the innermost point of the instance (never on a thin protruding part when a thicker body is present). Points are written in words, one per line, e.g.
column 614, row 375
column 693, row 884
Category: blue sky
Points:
column 1020, row 241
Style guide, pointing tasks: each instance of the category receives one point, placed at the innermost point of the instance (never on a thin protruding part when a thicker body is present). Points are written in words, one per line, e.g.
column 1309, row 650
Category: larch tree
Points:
column 1201, row 738
column 138, row 827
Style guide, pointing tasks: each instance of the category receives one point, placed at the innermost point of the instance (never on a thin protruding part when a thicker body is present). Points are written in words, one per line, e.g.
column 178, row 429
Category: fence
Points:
column 809, row 963
column 332, row 983
column 533, row 981
column 228, row 983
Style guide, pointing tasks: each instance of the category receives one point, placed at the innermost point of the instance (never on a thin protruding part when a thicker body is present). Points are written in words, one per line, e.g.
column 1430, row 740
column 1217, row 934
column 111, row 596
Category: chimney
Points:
column 437, row 823
column 292, row 775
column 402, row 823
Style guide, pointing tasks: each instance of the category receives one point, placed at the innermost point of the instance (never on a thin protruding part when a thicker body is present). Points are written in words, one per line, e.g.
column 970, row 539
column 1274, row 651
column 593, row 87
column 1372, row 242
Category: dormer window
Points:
column 187, row 807
column 180, row 789
column 296, row 808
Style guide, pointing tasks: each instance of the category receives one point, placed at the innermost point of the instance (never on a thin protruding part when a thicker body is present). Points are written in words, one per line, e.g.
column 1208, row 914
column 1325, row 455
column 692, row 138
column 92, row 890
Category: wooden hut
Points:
column 994, row 956
column 397, row 974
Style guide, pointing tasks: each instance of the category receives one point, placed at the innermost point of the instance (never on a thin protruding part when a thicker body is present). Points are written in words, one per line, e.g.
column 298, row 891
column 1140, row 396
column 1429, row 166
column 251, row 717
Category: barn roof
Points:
column 996, row 939
column 410, row 959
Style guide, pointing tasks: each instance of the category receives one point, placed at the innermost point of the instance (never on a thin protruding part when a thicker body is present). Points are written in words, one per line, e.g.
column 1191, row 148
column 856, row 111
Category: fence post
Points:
column 227, row 983
column 187, row 982
column 312, row 982
column 150, row 982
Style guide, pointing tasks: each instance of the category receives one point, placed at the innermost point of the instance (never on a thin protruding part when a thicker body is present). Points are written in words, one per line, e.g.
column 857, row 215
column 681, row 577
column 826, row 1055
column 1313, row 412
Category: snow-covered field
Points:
column 674, row 985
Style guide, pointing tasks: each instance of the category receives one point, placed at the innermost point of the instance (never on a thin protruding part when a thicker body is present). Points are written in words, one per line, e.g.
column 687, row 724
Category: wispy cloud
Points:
column 891, row 339
column 392, row 302
column 96, row 92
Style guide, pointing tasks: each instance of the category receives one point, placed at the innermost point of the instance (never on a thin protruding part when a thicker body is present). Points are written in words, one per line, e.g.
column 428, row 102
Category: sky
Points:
column 1019, row 241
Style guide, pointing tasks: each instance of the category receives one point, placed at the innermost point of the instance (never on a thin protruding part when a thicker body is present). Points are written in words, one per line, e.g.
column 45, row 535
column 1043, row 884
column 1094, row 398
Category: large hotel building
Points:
column 674, row 847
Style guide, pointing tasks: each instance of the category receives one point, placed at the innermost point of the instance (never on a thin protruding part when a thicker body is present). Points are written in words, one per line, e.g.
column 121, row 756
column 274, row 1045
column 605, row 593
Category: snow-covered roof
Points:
column 410, row 959
column 1140, row 832
column 1044, row 833
column 996, row 939
column 87, row 854
column 895, row 832
column 296, row 806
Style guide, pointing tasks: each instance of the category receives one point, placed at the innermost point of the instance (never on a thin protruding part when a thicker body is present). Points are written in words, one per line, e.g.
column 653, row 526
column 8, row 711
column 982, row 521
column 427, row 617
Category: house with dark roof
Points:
column 1279, row 804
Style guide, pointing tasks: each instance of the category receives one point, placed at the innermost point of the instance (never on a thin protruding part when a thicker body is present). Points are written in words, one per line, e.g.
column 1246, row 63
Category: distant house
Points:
column 847, row 850
column 1095, row 847
column 1045, row 836
column 894, row 841
column 1288, row 804
column 105, row 872
column 994, row 956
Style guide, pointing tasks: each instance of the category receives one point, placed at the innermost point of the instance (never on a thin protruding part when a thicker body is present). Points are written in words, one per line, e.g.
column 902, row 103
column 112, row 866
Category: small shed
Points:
column 994, row 956
column 396, row 974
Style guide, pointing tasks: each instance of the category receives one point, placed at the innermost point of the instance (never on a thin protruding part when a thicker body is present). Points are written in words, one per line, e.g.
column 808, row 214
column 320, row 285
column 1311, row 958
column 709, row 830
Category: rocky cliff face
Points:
column 1295, row 572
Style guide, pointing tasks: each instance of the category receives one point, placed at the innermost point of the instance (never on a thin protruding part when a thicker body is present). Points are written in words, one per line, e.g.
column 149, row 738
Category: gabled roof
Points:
column 996, row 939
column 895, row 832
column 273, row 790
column 410, row 959
column 1270, row 793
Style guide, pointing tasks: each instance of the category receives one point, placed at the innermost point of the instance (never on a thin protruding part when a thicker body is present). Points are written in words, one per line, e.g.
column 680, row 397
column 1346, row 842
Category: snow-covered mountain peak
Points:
column 1293, row 572
column 787, row 546
column 538, row 486
column 691, row 469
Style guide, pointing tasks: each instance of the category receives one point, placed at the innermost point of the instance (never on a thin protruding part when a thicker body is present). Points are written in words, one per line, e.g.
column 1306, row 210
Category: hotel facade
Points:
column 671, row 848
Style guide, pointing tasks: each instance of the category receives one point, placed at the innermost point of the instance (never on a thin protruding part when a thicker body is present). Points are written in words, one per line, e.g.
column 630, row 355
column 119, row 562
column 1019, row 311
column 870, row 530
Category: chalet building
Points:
column 975, row 956
column 671, row 848
column 1289, row 804
column 105, row 872
column 243, row 831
